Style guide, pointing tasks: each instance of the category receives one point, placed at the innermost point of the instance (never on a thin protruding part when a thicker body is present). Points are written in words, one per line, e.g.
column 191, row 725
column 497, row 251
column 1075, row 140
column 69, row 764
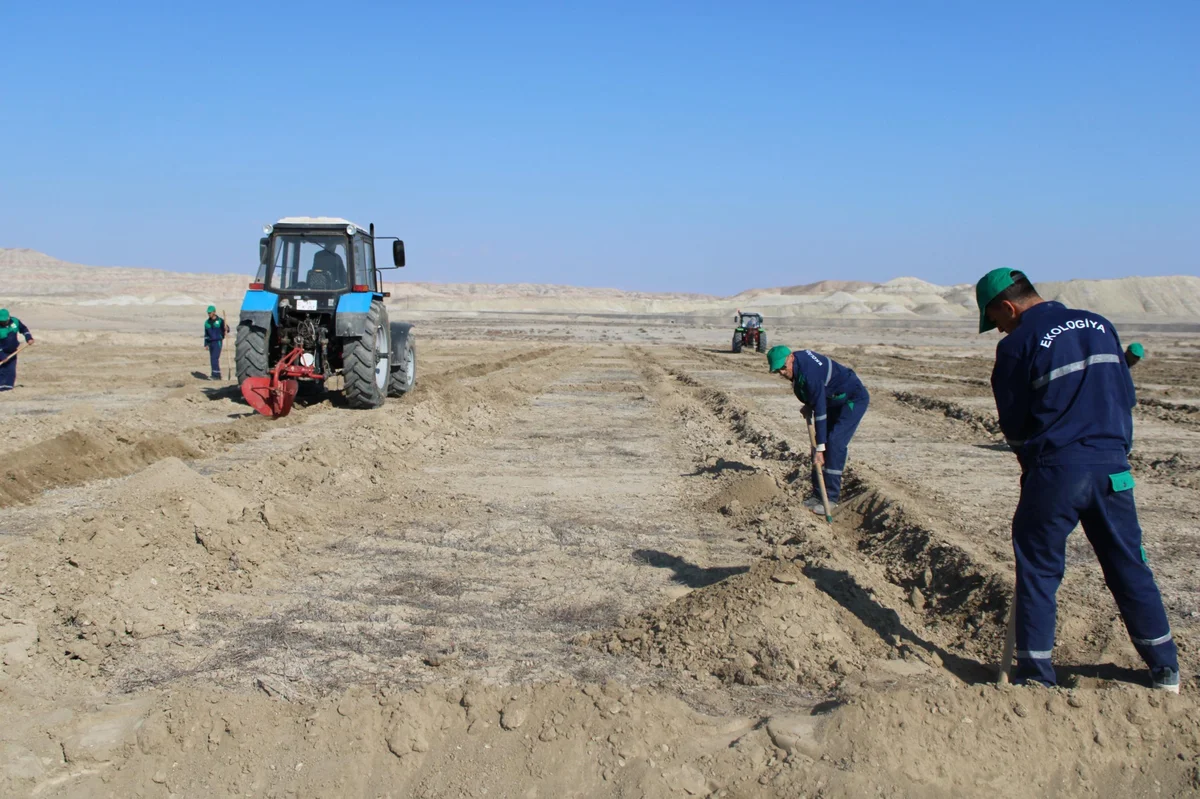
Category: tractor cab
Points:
column 322, row 256
column 315, row 310
column 749, row 332
column 748, row 320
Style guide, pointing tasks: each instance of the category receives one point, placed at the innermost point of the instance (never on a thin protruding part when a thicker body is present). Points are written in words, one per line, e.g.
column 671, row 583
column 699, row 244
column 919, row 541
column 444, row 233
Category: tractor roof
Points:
column 320, row 221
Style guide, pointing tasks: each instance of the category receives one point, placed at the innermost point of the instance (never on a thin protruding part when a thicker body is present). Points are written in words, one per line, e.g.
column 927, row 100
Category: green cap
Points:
column 777, row 357
column 986, row 290
column 1137, row 350
column 4, row 317
column 211, row 309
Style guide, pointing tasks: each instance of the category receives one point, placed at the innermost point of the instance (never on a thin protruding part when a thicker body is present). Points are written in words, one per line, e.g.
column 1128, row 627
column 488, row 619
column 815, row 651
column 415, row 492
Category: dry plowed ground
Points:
column 571, row 563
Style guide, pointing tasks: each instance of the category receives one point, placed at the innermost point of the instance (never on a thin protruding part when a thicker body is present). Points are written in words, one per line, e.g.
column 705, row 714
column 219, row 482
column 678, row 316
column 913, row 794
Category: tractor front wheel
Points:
column 762, row 341
column 737, row 342
column 404, row 375
column 366, row 362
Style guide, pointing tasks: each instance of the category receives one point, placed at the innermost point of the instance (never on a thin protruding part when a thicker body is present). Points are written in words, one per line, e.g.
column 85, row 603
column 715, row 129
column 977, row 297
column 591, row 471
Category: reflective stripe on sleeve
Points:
column 1151, row 641
column 819, row 418
column 1033, row 654
column 829, row 376
column 1078, row 366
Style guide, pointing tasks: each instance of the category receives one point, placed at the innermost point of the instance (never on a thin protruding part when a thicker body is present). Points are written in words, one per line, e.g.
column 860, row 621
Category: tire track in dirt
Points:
column 220, row 532
column 389, row 484
column 113, row 448
column 383, row 594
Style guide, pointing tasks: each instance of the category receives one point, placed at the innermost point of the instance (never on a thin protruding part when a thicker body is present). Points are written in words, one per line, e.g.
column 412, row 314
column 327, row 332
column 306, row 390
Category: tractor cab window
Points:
column 366, row 270
column 308, row 262
column 364, row 263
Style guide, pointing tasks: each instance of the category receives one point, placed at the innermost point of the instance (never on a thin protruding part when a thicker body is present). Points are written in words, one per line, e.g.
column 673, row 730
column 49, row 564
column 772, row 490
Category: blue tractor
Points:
column 315, row 310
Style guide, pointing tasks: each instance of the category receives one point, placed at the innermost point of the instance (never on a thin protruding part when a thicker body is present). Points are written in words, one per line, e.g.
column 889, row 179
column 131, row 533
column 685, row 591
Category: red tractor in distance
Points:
column 750, row 332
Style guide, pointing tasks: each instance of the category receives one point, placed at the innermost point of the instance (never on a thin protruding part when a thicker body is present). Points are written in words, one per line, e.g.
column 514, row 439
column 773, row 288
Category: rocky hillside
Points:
column 34, row 276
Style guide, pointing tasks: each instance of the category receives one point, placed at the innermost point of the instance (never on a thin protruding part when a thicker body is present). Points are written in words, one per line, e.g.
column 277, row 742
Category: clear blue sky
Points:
column 663, row 146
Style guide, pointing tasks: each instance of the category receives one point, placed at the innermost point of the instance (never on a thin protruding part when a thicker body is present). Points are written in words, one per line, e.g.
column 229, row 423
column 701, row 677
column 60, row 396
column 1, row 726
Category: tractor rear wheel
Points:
column 762, row 341
column 250, row 357
column 366, row 363
column 737, row 342
column 404, row 375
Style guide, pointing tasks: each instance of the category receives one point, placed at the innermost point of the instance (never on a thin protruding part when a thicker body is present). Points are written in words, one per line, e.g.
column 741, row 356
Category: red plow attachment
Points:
column 273, row 396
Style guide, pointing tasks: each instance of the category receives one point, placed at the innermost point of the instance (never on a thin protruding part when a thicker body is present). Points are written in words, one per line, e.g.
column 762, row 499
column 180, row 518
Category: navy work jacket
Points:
column 214, row 330
column 822, row 383
column 8, row 335
column 1063, row 391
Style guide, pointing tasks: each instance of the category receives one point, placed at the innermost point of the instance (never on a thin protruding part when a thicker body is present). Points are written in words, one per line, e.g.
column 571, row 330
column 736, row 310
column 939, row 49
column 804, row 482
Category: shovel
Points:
column 16, row 352
column 812, row 440
column 224, row 349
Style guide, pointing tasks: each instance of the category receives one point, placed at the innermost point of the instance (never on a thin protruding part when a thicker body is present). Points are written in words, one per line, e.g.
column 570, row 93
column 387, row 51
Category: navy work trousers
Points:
column 214, row 356
column 840, row 426
column 8, row 373
column 1053, row 500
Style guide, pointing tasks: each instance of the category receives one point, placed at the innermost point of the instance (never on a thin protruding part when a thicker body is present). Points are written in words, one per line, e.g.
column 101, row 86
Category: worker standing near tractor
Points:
column 835, row 401
column 1065, row 398
column 214, row 338
column 10, row 330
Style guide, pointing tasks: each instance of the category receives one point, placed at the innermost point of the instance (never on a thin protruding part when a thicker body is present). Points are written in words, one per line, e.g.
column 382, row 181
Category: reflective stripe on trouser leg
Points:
column 843, row 422
column 1046, row 514
column 1111, row 525
column 214, row 357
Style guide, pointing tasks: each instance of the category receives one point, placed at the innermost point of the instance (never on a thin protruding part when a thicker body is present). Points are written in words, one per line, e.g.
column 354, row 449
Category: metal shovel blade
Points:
column 271, row 398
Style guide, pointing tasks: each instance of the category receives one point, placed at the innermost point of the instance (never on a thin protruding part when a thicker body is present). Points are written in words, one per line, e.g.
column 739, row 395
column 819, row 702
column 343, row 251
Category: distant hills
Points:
column 34, row 277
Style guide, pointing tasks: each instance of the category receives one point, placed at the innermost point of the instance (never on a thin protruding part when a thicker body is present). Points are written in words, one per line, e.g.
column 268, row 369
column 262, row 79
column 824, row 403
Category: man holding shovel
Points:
column 214, row 338
column 1065, row 398
column 10, row 330
column 835, row 401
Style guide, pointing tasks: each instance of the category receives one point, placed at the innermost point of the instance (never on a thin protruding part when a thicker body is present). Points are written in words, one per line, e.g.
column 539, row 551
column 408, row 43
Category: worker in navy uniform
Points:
column 835, row 400
column 1065, row 398
column 214, row 338
column 11, row 328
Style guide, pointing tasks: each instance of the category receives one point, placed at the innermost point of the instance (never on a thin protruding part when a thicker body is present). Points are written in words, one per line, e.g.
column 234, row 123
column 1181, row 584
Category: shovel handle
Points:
column 15, row 353
column 812, row 440
column 1010, row 644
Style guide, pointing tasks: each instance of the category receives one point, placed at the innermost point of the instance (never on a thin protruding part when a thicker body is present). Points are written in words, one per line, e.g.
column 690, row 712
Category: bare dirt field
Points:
column 571, row 563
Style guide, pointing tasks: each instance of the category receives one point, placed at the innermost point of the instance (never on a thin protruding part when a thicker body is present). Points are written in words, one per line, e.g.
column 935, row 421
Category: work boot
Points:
column 812, row 502
column 819, row 508
column 1165, row 678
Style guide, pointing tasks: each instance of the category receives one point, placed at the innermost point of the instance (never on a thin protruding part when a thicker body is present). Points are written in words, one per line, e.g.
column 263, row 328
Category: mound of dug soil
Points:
column 76, row 456
column 744, row 493
column 557, row 740
column 1005, row 742
column 135, row 570
column 770, row 624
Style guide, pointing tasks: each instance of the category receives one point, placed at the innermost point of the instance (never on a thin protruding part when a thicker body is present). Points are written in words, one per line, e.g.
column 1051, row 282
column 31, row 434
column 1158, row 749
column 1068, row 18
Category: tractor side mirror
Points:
column 262, row 249
column 398, row 252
